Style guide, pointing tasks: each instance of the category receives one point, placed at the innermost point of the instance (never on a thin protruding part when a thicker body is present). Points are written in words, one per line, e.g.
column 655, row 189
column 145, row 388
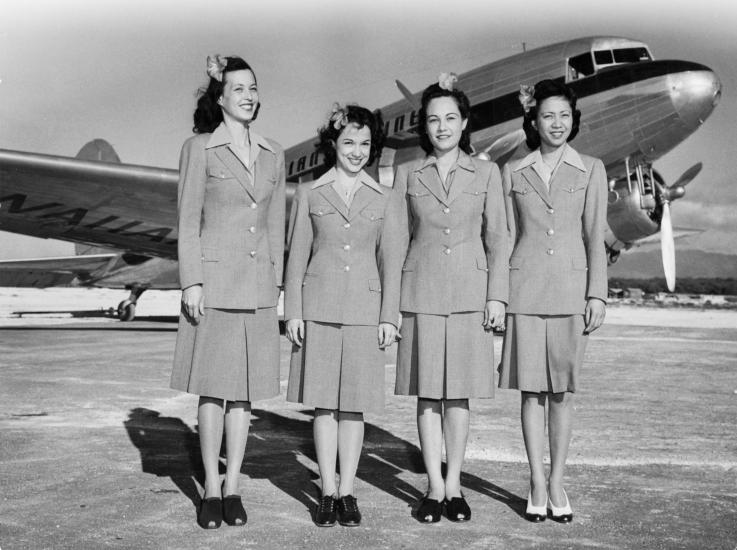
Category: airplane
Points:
column 122, row 217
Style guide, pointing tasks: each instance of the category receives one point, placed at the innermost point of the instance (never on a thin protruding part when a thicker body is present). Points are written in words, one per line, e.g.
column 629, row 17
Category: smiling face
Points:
column 240, row 96
column 554, row 122
column 352, row 148
column 444, row 124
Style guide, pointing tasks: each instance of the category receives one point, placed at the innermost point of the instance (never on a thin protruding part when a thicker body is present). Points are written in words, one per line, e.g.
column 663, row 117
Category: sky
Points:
column 128, row 71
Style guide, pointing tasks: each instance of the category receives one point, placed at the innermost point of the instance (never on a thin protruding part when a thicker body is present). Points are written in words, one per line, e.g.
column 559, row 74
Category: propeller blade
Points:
column 688, row 175
column 409, row 96
column 668, row 248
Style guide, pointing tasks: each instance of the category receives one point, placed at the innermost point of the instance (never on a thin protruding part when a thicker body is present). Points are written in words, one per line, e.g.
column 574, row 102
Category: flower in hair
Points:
column 447, row 80
column 216, row 66
column 339, row 118
column 527, row 97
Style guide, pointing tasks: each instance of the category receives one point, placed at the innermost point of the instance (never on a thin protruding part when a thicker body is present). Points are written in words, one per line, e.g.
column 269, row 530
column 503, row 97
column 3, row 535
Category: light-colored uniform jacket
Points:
column 558, row 258
column 344, row 263
column 457, row 257
column 231, row 221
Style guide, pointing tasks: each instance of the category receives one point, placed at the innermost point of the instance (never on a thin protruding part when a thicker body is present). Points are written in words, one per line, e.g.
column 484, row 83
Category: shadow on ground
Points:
column 278, row 447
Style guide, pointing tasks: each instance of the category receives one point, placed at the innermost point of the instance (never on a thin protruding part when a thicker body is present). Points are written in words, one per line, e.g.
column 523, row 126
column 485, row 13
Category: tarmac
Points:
column 97, row 452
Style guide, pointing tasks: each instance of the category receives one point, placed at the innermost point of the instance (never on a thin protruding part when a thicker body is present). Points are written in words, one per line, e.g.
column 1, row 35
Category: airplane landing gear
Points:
column 127, row 308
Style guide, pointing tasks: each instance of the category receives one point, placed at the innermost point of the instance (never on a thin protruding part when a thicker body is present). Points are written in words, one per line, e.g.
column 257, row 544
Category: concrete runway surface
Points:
column 97, row 452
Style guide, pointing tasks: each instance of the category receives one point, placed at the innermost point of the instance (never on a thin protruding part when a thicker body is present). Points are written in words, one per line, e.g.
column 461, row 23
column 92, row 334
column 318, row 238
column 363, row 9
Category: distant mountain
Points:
column 689, row 263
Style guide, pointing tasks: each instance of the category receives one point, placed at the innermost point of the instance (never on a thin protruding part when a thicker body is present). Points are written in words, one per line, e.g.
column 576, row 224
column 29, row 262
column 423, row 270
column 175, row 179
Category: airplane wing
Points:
column 122, row 206
column 45, row 272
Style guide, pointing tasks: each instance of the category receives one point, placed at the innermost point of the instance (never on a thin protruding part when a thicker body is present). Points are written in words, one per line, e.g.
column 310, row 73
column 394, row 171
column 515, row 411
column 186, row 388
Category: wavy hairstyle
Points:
column 208, row 114
column 360, row 116
column 543, row 90
column 464, row 106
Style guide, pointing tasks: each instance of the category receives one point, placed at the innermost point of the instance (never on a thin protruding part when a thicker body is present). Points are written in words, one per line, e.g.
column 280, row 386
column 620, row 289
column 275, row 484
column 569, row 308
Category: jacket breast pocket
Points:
column 219, row 172
column 417, row 192
column 210, row 254
column 516, row 262
column 520, row 188
column 409, row 265
column 320, row 211
column 372, row 215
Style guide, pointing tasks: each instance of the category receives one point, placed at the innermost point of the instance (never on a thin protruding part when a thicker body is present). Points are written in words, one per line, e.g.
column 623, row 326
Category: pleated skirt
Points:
column 338, row 367
column 542, row 353
column 230, row 354
column 445, row 357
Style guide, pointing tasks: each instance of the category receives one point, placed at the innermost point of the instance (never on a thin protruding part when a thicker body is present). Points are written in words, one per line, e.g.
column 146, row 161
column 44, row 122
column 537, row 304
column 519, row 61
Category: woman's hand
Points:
column 594, row 314
column 193, row 303
column 387, row 334
column 494, row 315
column 295, row 331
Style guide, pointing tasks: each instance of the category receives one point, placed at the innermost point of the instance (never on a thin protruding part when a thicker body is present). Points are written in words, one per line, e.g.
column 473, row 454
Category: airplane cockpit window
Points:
column 580, row 66
column 605, row 58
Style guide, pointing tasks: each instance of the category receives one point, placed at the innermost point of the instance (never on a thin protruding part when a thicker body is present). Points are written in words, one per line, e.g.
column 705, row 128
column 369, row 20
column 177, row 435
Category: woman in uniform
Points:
column 556, row 205
column 454, row 289
column 342, row 300
column 231, row 206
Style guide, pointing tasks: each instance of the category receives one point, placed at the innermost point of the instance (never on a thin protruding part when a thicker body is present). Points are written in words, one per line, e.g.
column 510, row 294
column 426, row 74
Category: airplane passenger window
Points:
column 580, row 66
column 631, row 55
column 603, row 57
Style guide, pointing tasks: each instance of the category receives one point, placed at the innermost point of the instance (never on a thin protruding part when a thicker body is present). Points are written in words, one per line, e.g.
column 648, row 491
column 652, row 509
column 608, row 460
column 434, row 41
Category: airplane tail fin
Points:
column 98, row 150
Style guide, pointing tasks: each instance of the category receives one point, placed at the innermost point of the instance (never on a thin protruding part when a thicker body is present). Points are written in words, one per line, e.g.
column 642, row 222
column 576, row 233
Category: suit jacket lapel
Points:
column 428, row 176
column 461, row 180
column 537, row 184
column 236, row 168
column 363, row 197
column 333, row 198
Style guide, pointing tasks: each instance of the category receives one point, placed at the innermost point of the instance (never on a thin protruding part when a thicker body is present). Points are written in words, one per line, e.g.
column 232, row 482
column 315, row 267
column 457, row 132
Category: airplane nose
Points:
column 694, row 95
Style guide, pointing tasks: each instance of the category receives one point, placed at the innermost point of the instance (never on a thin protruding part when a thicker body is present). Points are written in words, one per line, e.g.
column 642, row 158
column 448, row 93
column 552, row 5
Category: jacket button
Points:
column 550, row 231
column 347, row 268
column 319, row 213
column 252, row 229
column 346, row 247
column 254, row 205
column 446, row 210
column 550, row 210
column 550, row 252
column 252, row 253
column 346, row 225
column 447, row 251
column 446, row 230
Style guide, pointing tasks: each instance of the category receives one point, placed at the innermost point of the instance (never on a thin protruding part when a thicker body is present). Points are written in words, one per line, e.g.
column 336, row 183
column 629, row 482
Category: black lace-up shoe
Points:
column 325, row 515
column 348, row 513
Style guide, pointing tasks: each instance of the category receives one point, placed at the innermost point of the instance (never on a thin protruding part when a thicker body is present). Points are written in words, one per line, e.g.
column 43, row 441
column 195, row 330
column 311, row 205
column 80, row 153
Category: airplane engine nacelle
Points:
column 632, row 211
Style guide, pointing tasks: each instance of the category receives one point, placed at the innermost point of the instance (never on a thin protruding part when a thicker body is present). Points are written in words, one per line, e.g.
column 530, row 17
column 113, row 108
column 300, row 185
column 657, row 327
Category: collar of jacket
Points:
column 221, row 136
column 464, row 161
column 331, row 175
column 570, row 157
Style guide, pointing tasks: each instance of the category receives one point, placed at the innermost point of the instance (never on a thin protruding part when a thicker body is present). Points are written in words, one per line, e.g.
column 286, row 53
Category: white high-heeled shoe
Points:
column 534, row 513
column 562, row 514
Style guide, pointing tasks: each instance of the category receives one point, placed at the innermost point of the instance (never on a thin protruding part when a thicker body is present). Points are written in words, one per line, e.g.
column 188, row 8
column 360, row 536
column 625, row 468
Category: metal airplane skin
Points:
column 635, row 109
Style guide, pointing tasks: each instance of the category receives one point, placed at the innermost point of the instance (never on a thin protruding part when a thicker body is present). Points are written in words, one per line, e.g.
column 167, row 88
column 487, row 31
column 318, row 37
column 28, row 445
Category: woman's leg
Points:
column 533, row 432
column 350, row 443
column 430, row 429
column 455, row 423
column 325, row 433
column 559, row 432
column 237, row 423
column 210, row 427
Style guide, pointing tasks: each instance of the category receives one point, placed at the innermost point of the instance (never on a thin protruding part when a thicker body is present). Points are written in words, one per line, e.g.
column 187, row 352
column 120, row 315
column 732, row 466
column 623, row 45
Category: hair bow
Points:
column 216, row 66
column 527, row 97
column 446, row 81
column 339, row 118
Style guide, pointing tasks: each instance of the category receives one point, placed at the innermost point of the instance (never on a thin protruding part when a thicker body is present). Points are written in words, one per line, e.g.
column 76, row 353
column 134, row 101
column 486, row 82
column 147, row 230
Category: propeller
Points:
column 668, row 247
column 666, row 195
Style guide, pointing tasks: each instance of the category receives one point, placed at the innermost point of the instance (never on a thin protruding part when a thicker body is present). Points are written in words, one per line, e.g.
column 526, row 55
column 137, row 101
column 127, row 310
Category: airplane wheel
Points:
column 126, row 310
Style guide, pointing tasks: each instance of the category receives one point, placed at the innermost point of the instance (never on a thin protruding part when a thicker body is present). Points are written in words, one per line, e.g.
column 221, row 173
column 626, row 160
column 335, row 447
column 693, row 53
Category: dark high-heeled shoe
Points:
column 210, row 515
column 429, row 510
column 233, row 511
column 457, row 509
